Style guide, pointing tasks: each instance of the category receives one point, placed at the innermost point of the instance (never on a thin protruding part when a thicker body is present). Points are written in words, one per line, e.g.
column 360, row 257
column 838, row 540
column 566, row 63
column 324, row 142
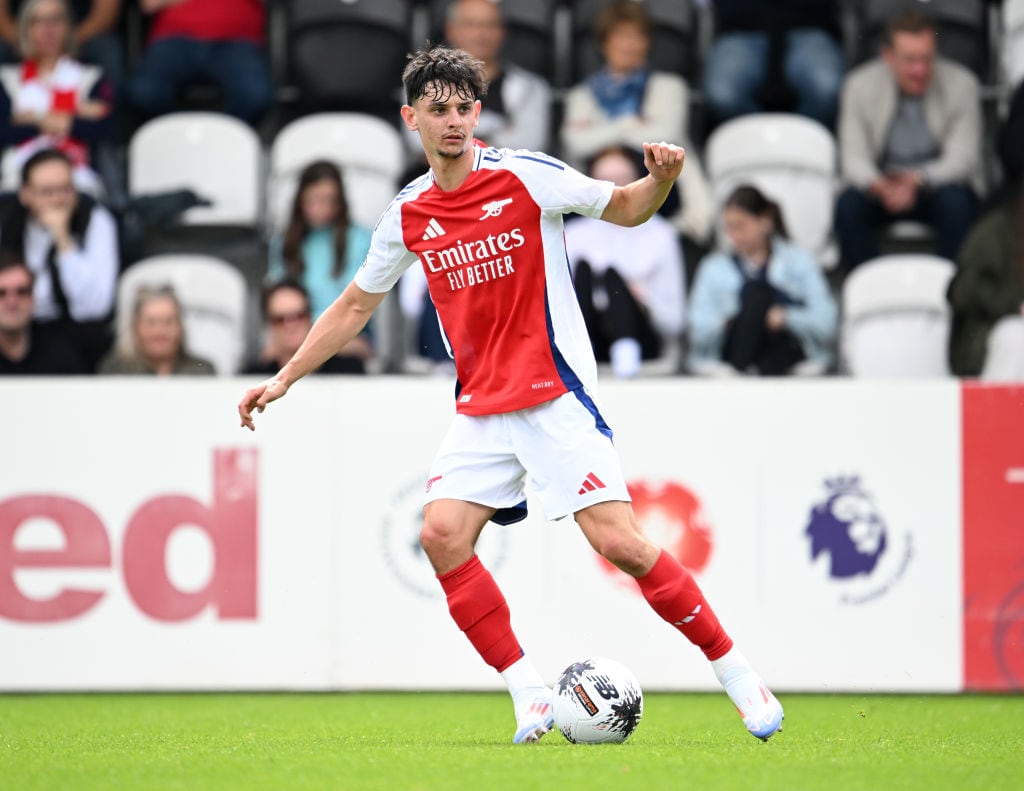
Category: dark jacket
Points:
column 988, row 285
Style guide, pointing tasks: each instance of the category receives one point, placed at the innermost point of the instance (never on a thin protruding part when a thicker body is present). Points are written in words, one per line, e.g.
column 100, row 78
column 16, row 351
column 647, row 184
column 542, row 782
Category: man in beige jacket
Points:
column 909, row 141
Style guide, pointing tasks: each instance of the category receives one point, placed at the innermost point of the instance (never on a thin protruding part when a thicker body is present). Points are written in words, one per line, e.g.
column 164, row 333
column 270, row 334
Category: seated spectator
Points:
column 909, row 143
column 25, row 347
column 288, row 320
column 629, row 281
column 784, row 55
column 320, row 248
column 516, row 112
column 627, row 103
column 157, row 343
column 95, row 31
column 50, row 100
column 69, row 241
column 764, row 308
column 987, row 297
column 198, row 41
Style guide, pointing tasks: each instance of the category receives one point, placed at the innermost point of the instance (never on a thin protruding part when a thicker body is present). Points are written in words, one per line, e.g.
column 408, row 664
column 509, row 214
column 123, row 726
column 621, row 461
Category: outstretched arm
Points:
column 637, row 202
column 338, row 325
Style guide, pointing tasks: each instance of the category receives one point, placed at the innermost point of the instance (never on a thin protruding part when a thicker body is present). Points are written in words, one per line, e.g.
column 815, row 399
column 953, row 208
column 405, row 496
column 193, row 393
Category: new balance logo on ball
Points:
column 433, row 230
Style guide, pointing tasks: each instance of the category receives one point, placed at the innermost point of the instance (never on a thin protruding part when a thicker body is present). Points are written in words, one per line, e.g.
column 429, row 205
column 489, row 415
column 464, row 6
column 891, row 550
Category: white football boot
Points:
column 534, row 714
column 761, row 712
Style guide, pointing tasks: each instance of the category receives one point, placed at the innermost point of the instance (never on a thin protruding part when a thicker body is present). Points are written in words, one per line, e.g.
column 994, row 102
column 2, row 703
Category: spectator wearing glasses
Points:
column 25, row 347
column 288, row 318
column 156, row 346
column 69, row 241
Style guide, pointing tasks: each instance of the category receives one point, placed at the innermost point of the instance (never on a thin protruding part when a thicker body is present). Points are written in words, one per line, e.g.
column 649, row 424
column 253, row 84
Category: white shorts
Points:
column 561, row 449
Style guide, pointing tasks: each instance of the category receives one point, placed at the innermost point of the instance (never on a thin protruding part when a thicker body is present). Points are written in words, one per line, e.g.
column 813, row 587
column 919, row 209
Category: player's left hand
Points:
column 664, row 161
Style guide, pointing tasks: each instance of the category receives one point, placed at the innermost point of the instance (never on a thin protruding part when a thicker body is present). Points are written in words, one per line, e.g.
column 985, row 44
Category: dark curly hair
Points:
column 441, row 69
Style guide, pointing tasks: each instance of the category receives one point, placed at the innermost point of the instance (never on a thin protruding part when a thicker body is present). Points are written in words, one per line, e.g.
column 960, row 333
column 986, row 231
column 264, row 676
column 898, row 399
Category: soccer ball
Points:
column 597, row 700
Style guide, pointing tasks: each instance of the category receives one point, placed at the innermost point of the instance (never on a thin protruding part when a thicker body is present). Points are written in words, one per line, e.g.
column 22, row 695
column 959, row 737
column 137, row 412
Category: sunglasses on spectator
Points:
column 285, row 318
column 19, row 291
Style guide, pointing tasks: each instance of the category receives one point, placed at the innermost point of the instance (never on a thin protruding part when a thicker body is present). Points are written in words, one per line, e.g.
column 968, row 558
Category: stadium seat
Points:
column 792, row 160
column 895, row 317
column 529, row 32
column 213, row 297
column 962, row 27
column 348, row 55
column 1013, row 42
column 673, row 45
column 368, row 150
column 212, row 154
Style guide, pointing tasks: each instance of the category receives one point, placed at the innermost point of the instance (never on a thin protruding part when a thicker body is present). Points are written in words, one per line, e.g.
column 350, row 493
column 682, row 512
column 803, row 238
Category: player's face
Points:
column 15, row 299
column 912, row 59
column 445, row 120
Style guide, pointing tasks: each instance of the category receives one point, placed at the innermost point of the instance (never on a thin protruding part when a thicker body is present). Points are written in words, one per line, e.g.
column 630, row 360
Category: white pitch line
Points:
column 1015, row 474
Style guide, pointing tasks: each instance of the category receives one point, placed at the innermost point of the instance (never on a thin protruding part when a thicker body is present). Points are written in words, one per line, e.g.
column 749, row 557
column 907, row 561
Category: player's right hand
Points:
column 256, row 400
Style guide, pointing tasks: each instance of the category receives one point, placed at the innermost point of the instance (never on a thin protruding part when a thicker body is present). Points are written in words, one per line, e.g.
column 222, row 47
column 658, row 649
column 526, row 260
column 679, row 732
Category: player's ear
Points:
column 409, row 117
column 476, row 113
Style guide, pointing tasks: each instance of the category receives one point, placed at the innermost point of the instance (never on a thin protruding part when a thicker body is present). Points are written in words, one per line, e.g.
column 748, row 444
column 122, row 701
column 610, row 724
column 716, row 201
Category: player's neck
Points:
column 449, row 173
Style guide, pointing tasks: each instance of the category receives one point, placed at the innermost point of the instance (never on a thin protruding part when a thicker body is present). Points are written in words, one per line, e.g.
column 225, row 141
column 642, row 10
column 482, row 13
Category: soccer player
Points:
column 486, row 225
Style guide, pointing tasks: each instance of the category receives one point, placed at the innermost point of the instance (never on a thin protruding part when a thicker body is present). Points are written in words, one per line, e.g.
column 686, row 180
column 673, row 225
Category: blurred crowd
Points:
column 846, row 159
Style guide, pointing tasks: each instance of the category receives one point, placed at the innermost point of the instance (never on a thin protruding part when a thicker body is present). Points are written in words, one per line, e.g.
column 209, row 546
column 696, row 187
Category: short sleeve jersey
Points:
column 493, row 251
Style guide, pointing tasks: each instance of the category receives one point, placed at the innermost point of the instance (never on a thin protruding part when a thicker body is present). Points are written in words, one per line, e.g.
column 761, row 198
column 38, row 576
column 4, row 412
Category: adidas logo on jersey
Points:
column 433, row 230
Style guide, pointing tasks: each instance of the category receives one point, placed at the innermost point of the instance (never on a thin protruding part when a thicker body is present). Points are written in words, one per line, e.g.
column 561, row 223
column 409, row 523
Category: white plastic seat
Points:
column 896, row 319
column 369, row 152
column 792, row 160
column 213, row 154
column 213, row 297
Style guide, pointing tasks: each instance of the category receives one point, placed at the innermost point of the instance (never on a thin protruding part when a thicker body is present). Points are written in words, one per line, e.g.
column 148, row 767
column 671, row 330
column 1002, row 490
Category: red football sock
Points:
column 479, row 609
column 674, row 594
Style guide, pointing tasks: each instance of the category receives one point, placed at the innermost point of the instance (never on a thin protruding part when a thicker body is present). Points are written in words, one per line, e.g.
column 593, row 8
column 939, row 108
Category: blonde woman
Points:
column 157, row 342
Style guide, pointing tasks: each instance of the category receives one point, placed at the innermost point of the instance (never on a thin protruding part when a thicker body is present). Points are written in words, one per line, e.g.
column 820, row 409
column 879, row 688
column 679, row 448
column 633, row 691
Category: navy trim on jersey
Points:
column 551, row 162
column 566, row 374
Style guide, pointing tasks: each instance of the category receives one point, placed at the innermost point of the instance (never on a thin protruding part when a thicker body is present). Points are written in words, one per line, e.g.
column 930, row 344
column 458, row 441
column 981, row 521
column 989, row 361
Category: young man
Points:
column 486, row 225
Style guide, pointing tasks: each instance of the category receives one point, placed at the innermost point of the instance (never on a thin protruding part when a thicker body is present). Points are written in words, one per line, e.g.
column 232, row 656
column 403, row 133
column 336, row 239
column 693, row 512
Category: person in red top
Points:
column 486, row 225
column 194, row 41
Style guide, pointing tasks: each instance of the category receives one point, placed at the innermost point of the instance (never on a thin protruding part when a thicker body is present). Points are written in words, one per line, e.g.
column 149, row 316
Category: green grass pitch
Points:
column 462, row 741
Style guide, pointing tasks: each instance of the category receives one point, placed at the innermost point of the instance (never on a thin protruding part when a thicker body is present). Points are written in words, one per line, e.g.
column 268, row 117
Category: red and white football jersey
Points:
column 494, row 255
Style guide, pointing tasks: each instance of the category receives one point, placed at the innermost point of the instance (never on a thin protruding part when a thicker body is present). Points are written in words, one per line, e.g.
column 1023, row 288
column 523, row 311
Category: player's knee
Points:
column 437, row 536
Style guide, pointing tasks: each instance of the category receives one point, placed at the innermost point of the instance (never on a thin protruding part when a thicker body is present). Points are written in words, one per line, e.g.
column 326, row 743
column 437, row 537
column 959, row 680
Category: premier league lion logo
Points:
column 847, row 526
